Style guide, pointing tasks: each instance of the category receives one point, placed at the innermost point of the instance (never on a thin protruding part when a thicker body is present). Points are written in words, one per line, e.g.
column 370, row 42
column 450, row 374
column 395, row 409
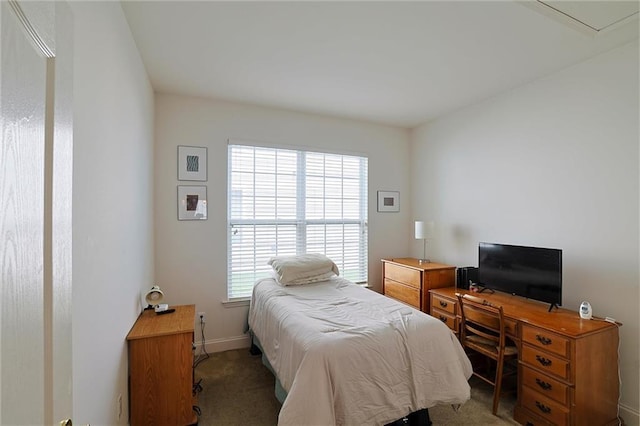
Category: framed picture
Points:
column 192, row 163
column 192, row 202
column 388, row 201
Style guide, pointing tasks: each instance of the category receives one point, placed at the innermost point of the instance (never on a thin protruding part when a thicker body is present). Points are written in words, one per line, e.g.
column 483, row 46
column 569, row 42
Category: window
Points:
column 287, row 202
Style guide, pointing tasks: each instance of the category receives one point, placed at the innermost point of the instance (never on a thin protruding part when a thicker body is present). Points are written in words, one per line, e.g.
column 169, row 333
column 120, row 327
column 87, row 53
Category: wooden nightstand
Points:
column 409, row 281
column 161, row 368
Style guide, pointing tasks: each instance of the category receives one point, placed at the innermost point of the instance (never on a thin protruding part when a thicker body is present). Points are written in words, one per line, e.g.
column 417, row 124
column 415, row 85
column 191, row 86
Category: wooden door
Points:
column 35, row 212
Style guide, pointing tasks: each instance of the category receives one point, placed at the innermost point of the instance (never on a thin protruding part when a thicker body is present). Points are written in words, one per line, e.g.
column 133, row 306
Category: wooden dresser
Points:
column 161, row 368
column 568, row 367
column 409, row 281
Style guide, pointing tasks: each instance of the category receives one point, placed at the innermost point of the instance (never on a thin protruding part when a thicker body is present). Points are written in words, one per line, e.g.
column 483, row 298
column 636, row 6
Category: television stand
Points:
column 551, row 306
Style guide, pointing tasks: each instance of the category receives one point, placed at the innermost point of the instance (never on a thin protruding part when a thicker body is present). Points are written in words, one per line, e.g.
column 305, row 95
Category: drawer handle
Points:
column 443, row 304
column 544, row 361
column 543, row 408
column 544, row 340
column 529, row 424
column 443, row 318
column 544, row 385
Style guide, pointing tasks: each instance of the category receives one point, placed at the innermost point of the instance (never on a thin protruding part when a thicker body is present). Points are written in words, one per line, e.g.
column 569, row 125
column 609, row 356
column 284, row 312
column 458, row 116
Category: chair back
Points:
column 482, row 330
column 482, row 325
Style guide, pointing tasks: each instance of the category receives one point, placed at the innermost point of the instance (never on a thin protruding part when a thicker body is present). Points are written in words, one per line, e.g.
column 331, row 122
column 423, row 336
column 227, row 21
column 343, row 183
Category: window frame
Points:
column 301, row 222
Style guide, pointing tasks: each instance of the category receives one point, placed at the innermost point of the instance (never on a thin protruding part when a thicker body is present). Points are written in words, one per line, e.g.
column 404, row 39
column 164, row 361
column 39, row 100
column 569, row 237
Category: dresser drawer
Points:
column 402, row 274
column 544, row 339
column 545, row 407
column 440, row 278
column 545, row 385
column 527, row 418
column 544, row 361
column 403, row 293
column 511, row 328
column 450, row 320
column 443, row 304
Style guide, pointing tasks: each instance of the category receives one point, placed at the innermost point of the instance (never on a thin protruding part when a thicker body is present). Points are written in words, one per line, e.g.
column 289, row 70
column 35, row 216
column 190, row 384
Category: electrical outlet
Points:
column 119, row 406
column 202, row 316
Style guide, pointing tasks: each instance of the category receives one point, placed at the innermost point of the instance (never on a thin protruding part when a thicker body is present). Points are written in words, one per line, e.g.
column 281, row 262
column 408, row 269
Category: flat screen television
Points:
column 532, row 272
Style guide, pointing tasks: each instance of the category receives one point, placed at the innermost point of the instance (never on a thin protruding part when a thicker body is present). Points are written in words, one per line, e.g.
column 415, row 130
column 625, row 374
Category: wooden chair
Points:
column 482, row 331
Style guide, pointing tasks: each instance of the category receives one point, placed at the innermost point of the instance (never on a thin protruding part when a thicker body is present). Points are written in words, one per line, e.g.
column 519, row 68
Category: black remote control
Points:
column 166, row 311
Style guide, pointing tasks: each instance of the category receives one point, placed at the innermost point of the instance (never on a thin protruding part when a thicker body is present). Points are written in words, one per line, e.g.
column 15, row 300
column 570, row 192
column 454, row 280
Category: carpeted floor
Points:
column 238, row 390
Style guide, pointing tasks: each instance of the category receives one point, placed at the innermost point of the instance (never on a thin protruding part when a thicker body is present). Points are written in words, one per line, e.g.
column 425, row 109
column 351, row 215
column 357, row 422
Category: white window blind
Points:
column 286, row 202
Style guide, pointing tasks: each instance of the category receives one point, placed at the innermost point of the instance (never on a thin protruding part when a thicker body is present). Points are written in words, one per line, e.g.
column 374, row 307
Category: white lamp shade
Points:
column 424, row 230
column 154, row 296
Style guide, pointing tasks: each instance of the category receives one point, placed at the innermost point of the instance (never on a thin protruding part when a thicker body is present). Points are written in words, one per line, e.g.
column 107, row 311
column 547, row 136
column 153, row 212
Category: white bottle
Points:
column 585, row 310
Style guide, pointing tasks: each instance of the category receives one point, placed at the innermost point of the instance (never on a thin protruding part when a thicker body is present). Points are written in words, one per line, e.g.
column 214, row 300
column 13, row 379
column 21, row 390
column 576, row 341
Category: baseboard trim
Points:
column 225, row 344
column 630, row 416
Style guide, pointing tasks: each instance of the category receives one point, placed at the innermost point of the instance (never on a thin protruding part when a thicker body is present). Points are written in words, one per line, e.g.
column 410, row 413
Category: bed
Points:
column 346, row 355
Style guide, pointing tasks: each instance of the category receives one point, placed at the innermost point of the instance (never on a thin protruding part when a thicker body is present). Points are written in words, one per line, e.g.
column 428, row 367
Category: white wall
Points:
column 112, row 206
column 553, row 164
column 191, row 256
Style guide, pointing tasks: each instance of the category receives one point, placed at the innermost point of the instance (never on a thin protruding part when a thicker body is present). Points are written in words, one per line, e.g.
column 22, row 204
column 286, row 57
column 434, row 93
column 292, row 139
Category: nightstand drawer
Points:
column 403, row 293
column 408, row 276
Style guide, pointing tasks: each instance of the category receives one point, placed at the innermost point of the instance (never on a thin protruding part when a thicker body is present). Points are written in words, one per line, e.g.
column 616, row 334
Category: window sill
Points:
column 235, row 303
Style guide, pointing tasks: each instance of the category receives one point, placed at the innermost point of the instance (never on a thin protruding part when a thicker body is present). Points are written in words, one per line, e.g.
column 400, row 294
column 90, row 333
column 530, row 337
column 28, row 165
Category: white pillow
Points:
column 303, row 269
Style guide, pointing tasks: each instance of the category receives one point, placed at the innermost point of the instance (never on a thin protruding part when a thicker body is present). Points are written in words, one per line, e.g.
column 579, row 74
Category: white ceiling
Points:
column 396, row 63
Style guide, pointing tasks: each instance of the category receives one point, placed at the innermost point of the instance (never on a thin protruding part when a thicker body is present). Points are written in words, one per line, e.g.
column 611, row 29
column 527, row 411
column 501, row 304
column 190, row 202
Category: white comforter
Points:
column 349, row 356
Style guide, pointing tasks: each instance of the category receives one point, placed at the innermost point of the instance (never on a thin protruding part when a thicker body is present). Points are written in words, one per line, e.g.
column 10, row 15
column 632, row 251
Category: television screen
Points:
column 531, row 272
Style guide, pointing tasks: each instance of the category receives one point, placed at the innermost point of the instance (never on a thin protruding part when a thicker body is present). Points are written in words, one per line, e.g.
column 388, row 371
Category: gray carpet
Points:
column 238, row 390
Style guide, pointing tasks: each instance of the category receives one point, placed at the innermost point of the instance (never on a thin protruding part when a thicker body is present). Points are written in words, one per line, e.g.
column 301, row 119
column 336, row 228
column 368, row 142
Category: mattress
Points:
column 347, row 355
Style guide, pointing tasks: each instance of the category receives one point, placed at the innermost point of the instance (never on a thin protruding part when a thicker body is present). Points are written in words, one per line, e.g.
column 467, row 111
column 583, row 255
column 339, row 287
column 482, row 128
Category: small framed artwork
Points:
column 192, row 202
column 388, row 201
column 192, row 163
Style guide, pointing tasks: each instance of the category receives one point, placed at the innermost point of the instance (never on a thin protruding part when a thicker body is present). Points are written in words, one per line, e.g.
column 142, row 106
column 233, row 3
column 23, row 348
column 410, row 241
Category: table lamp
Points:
column 153, row 299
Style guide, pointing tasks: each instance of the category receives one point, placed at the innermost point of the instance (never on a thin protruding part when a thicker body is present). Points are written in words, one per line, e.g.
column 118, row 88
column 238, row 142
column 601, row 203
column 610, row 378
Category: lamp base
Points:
column 424, row 252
